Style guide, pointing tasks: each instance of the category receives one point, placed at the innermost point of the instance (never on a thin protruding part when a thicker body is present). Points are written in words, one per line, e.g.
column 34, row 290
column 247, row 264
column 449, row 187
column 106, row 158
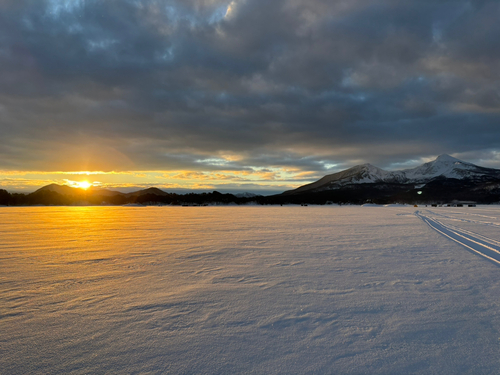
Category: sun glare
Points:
column 83, row 185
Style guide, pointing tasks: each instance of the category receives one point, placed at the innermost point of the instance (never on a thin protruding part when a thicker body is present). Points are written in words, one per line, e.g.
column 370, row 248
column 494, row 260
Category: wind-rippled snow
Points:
column 226, row 290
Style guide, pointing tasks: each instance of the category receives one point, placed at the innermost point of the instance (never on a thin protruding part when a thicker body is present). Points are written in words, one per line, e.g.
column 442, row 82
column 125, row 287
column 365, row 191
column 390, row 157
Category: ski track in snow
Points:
column 466, row 220
column 477, row 243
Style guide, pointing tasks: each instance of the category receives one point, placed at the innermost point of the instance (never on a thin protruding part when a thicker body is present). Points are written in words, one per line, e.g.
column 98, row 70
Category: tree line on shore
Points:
column 52, row 198
column 81, row 197
column 355, row 194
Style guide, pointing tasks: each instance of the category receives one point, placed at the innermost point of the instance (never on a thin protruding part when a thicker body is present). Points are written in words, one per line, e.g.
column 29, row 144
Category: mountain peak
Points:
column 446, row 158
column 367, row 167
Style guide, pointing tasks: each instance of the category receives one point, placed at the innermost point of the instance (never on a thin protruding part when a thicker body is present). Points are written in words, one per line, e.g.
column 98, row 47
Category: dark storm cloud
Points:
column 295, row 84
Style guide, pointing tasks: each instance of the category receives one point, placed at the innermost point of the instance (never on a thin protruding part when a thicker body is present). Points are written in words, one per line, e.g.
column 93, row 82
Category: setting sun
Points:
column 82, row 185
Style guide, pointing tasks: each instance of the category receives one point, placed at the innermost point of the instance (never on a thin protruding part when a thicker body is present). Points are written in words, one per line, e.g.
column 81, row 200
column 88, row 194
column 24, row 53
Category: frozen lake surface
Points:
column 228, row 290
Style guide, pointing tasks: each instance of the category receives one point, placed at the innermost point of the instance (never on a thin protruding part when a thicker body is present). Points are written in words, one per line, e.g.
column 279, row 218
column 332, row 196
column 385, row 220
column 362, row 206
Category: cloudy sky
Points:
column 243, row 95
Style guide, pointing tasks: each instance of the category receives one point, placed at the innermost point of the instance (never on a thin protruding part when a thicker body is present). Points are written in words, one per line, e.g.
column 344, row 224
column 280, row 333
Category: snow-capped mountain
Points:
column 448, row 167
column 444, row 166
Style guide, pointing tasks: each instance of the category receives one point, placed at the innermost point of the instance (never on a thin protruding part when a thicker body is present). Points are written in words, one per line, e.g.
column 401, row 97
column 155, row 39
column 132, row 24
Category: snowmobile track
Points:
column 479, row 244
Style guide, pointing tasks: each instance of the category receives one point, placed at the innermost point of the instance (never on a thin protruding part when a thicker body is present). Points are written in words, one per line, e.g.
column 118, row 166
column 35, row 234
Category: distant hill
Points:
column 59, row 189
column 152, row 191
column 104, row 192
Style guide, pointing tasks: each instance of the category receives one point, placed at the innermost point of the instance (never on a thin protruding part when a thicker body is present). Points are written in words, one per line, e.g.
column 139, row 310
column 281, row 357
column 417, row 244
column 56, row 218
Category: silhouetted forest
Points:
column 52, row 198
column 81, row 197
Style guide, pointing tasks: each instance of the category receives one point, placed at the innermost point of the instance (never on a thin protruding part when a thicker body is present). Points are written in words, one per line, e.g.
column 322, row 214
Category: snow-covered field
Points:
column 227, row 290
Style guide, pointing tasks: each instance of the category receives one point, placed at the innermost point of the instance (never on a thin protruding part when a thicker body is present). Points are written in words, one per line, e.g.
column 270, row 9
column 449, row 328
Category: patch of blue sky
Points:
column 167, row 54
column 183, row 15
column 101, row 44
column 56, row 7
column 335, row 94
column 222, row 97
column 213, row 161
column 360, row 97
column 327, row 164
column 437, row 33
column 218, row 15
column 405, row 165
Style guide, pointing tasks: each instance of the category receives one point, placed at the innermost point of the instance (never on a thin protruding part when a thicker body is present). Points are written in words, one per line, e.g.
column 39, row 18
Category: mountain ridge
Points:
column 443, row 180
column 444, row 166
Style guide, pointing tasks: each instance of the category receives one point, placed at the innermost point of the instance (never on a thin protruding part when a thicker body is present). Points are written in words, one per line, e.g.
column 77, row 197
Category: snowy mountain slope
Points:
column 365, row 173
column 444, row 166
column 448, row 167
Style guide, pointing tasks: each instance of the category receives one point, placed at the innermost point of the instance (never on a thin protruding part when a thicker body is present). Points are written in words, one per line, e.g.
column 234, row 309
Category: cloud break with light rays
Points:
column 243, row 94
